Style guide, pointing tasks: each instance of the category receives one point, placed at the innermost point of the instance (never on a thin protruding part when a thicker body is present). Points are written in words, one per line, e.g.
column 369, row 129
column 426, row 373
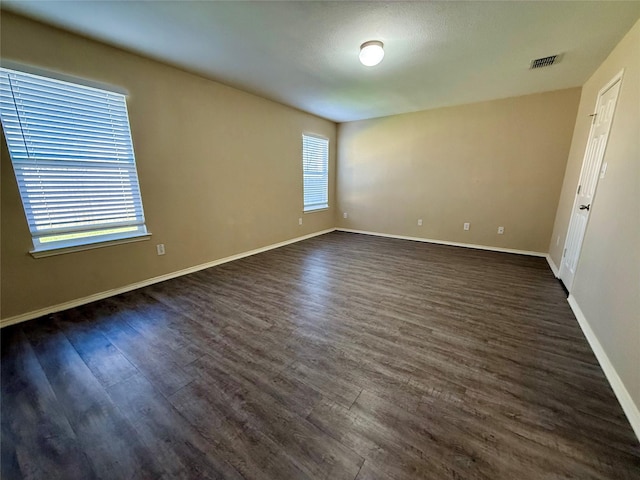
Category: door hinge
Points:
column 593, row 117
column 579, row 188
column 564, row 254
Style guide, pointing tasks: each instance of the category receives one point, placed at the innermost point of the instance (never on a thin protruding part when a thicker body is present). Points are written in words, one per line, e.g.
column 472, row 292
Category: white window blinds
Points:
column 315, row 167
column 73, row 158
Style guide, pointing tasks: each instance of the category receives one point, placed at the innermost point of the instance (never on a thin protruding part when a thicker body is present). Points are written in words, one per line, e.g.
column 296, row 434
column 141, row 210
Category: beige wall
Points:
column 497, row 163
column 220, row 172
column 607, row 281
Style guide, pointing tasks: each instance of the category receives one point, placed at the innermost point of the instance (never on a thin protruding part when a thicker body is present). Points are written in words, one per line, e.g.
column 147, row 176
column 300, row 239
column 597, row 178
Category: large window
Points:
column 72, row 155
column 315, row 167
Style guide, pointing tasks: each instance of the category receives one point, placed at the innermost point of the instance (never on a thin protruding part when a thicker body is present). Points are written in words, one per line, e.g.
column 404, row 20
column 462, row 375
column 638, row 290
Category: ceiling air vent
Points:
column 544, row 61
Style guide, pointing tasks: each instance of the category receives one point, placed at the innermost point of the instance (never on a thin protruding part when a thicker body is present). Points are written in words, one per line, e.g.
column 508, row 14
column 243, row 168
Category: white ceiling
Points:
column 305, row 54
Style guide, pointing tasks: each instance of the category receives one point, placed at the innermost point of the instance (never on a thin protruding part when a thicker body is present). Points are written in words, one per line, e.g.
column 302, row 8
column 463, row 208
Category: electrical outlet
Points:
column 300, row 221
column 419, row 222
column 345, row 215
column 466, row 226
column 500, row 230
column 160, row 248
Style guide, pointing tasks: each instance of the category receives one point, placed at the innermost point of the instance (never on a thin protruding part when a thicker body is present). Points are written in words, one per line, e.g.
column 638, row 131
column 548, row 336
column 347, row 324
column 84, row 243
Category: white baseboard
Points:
column 127, row 288
column 628, row 406
column 444, row 242
column 554, row 267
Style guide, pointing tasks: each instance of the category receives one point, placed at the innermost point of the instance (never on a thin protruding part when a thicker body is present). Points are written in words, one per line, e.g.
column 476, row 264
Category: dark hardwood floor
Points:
column 341, row 357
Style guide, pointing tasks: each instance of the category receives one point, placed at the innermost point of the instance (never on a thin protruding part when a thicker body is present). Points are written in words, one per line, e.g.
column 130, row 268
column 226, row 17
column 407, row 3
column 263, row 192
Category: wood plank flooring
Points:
column 341, row 357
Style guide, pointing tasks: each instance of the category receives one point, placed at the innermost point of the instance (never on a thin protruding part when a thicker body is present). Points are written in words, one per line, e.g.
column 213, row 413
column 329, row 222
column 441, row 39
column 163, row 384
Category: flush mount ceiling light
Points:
column 371, row 53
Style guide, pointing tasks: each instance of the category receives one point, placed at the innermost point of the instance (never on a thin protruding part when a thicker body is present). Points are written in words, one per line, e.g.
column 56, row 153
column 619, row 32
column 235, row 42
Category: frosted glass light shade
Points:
column 371, row 53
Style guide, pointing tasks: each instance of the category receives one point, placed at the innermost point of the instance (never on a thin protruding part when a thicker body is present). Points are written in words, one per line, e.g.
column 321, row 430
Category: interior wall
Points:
column 220, row 172
column 497, row 163
column 607, row 282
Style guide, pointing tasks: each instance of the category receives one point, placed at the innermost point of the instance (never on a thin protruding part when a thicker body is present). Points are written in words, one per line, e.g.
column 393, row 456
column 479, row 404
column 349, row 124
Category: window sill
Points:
column 50, row 252
column 314, row 210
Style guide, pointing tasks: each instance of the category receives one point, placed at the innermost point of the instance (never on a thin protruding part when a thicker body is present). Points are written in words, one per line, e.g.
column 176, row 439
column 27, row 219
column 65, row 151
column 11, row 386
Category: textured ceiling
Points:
column 305, row 54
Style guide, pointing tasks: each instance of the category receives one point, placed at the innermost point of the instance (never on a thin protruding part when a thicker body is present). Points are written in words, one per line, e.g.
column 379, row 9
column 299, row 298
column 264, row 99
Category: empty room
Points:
column 320, row 240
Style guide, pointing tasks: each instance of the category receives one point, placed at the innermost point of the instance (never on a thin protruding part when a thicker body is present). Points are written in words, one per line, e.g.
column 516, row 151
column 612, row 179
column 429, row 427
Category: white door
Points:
column 592, row 169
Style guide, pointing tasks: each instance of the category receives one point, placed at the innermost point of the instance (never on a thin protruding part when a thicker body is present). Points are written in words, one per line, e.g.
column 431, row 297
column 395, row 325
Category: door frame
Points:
column 618, row 77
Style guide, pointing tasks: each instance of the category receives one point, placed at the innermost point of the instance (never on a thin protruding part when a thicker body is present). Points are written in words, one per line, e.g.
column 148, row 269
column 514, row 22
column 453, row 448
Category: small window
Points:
column 315, row 167
column 73, row 158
